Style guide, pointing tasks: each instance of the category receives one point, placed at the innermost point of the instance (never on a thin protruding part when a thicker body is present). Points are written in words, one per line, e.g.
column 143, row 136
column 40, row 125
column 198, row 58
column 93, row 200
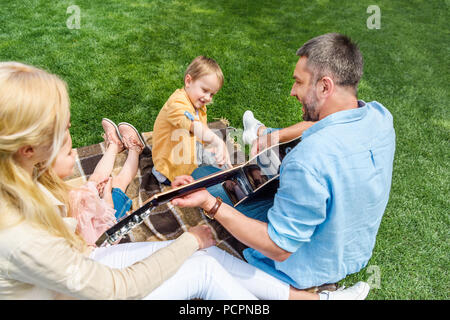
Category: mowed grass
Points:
column 129, row 56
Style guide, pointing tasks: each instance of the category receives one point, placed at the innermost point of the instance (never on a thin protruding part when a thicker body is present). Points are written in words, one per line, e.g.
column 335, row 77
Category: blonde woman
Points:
column 41, row 255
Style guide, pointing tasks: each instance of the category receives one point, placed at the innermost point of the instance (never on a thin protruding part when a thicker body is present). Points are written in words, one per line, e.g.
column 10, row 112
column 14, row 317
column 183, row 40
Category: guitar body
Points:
column 241, row 183
column 258, row 175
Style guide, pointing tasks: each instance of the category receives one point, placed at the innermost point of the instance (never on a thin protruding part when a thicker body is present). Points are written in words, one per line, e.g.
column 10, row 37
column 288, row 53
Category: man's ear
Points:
column 326, row 87
column 26, row 152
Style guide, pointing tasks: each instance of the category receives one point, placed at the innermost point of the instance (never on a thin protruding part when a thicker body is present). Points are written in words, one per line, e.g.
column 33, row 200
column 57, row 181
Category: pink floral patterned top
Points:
column 94, row 215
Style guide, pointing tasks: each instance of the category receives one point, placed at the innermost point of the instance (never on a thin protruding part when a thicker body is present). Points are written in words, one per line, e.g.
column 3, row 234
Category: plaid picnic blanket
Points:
column 166, row 222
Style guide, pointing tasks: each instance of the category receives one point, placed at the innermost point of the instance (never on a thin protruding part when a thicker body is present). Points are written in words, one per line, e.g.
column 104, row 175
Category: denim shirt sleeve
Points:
column 299, row 207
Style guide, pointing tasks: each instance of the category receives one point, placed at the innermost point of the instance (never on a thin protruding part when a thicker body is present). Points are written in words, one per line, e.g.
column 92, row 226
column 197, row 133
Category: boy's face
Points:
column 201, row 90
column 65, row 161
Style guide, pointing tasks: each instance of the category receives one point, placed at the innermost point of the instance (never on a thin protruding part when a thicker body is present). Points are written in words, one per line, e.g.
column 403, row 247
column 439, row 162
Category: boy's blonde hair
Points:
column 34, row 111
column 202, row 66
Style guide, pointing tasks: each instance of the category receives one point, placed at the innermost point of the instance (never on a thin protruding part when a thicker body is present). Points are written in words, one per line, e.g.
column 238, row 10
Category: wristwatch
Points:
column 211, row 213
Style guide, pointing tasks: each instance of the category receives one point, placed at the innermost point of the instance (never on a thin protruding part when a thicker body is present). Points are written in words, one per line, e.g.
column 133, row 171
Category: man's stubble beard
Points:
column 310, row 106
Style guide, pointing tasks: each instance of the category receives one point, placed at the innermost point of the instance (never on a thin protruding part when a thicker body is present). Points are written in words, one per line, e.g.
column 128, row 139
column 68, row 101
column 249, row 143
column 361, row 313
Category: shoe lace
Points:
column 108, row 140
column 133, row 144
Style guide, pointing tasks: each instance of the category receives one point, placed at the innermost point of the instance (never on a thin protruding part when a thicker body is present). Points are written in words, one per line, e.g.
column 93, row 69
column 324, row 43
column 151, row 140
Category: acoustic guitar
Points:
column 241, row 183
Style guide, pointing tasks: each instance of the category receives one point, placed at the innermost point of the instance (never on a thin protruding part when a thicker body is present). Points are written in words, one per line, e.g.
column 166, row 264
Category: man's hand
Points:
column 181, row 181
column 201, row 198
column 198, row 199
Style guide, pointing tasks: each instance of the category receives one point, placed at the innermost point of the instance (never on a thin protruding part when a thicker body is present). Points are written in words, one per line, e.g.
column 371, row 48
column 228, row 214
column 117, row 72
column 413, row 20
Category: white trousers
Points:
column 209, row 274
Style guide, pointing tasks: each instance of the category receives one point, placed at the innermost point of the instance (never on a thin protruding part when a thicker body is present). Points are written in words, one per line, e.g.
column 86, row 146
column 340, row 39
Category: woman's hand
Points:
column 204, row 236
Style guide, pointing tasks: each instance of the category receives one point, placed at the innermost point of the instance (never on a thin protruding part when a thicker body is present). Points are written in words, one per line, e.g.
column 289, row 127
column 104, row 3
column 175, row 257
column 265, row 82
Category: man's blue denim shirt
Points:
column 334, row 188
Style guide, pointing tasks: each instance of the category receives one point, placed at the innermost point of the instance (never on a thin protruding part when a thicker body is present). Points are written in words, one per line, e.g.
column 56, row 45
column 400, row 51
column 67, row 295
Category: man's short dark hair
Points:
column 336, row 56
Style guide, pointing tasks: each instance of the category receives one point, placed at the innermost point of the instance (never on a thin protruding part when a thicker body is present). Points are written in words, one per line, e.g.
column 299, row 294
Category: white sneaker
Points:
column 359, row 291
column 251, row 126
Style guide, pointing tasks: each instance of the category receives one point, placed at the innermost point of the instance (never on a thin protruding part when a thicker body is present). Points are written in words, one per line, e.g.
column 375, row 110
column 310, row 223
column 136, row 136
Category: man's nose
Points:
column 292, row 91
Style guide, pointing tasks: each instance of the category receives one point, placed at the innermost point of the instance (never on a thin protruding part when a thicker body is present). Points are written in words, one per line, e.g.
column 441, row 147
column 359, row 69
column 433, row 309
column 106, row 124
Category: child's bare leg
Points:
column 128, row 171
column 106, row 164
column 135, row 144
column 113, row 146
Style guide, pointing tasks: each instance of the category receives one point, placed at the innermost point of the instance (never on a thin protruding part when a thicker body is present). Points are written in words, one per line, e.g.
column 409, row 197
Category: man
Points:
column 334, row 185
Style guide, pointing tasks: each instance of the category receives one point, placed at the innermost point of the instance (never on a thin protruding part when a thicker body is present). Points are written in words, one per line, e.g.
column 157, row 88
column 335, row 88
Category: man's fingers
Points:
column 178, row 202
column 187, row 179
column 182, row 180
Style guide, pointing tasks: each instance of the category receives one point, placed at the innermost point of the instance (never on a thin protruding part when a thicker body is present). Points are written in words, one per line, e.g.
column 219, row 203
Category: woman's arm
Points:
column 50, row 262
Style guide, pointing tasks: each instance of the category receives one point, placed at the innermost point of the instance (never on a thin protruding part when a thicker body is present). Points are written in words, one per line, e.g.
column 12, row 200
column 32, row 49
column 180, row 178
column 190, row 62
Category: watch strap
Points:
column 211, row 213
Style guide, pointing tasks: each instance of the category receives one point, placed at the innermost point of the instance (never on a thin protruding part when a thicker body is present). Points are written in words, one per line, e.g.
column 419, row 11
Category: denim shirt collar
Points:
column 338, row 117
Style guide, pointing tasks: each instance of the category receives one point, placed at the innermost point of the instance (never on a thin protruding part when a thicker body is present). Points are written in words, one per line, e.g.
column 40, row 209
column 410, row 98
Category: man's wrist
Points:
column 209, row 203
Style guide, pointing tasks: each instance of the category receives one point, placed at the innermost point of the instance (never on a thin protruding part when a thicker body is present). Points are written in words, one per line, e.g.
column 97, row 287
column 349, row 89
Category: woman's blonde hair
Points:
column 34, row 111
column 202, row 66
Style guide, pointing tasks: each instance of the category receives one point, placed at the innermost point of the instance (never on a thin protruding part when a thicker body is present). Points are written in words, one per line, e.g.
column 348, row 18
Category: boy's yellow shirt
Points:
column 173, row 146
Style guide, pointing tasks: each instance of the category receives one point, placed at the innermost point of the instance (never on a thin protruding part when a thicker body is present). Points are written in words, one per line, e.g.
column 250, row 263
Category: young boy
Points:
column 180, row 130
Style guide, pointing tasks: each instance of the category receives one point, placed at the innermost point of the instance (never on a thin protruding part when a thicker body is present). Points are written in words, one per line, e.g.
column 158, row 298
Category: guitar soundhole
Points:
column 234, row 190
column 255, row 177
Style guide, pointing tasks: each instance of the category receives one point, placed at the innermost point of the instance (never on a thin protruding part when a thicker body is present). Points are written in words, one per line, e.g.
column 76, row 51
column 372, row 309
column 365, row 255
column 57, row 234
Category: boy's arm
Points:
column 205, row 134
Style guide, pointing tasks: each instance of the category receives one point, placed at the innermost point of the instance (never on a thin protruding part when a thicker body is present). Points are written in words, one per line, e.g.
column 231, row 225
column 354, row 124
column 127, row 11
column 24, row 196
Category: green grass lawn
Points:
column 129, row 56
